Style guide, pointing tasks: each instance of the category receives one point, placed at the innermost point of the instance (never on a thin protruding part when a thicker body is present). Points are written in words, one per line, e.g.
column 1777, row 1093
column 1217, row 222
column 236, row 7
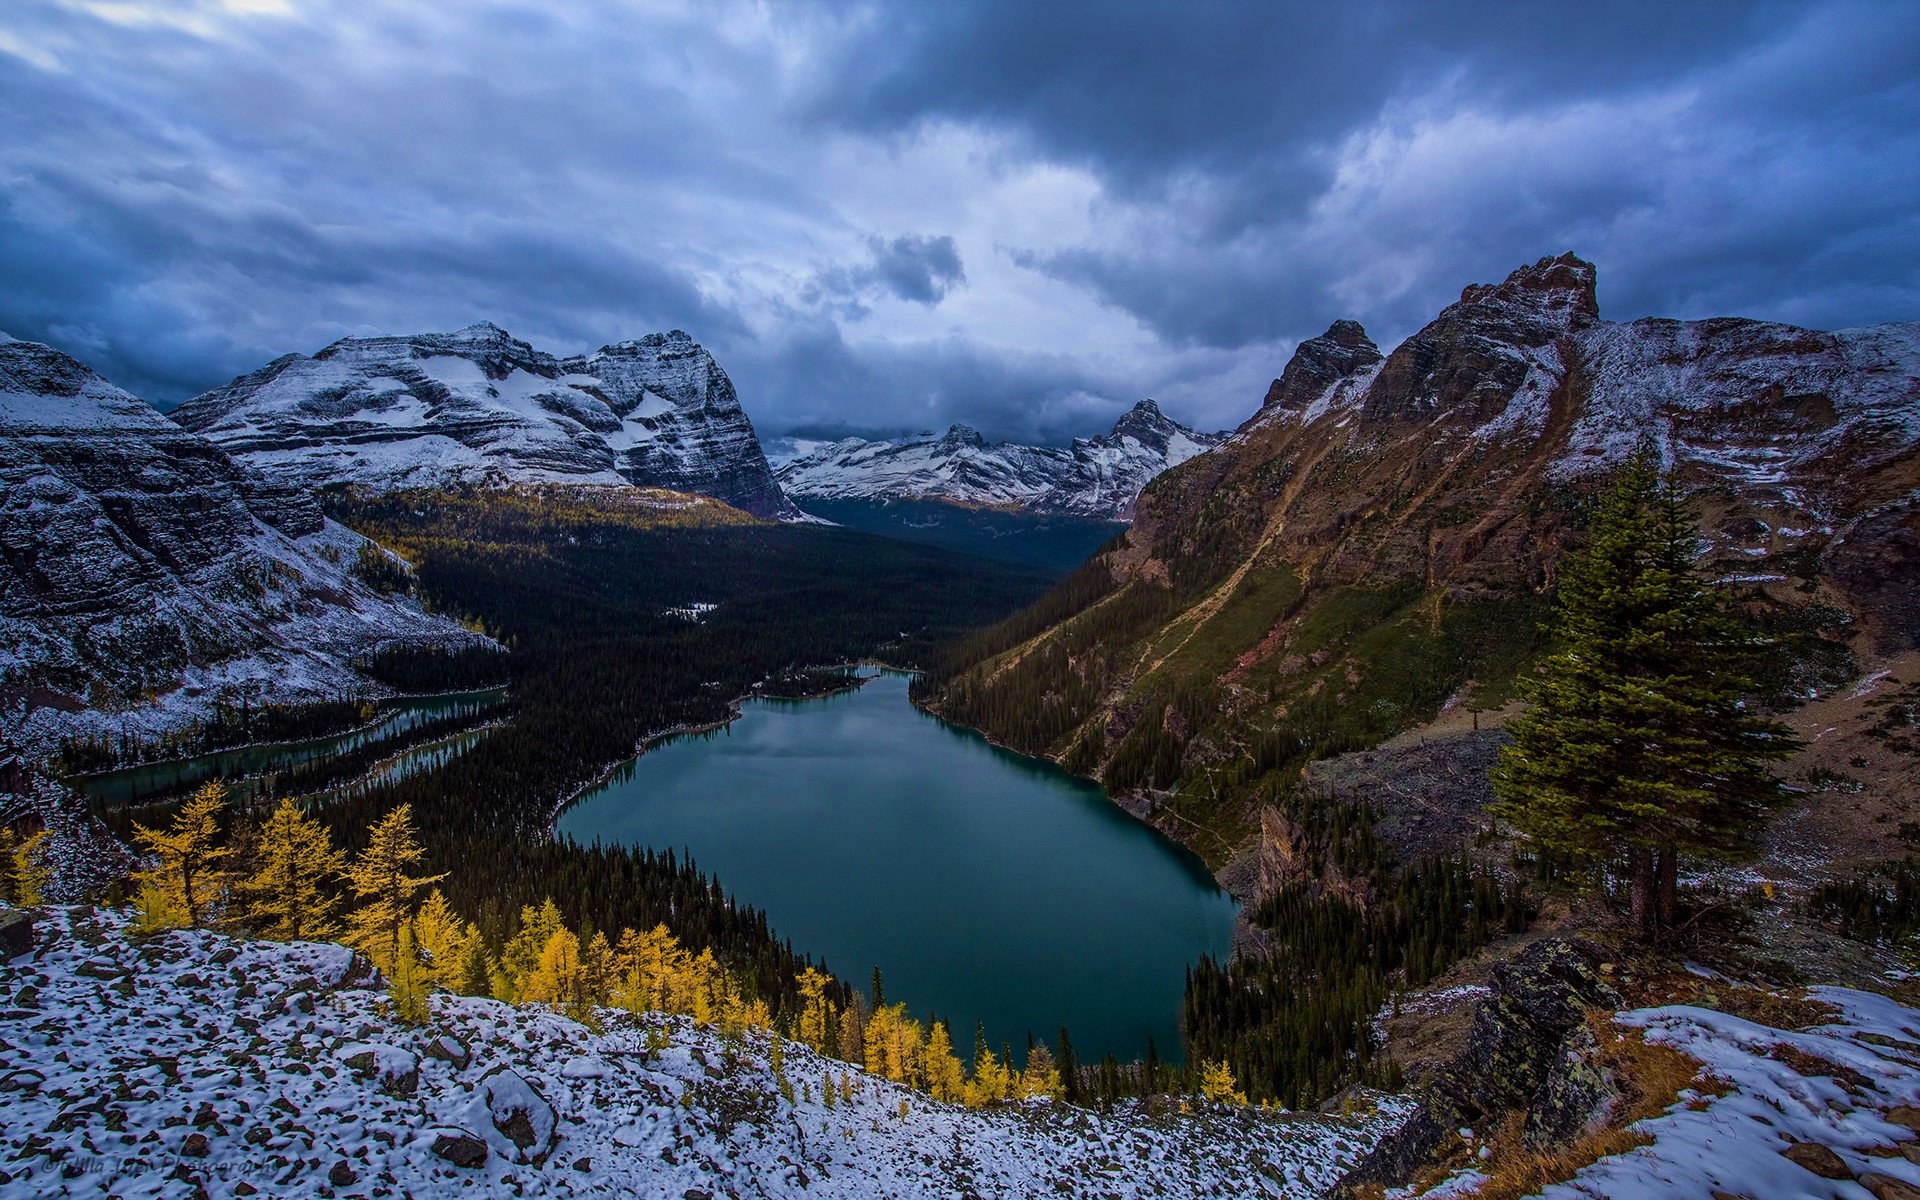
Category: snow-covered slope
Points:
column 480, row 406
column 1841, row 1097
column 192, row 1059
column 1097, row 477
column 141, row 570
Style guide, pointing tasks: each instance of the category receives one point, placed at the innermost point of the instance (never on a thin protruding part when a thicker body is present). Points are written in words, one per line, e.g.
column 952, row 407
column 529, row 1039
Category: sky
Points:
column 883, row 218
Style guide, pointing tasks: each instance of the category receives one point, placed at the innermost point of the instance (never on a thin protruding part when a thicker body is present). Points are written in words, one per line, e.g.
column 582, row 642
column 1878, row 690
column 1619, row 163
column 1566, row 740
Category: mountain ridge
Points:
column 143, row 573
column 1379, row 538
column 479, row 406
column 1098, row 477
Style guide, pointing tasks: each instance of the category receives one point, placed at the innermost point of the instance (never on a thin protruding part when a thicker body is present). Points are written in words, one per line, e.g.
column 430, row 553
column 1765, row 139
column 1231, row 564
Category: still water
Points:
column 986, row 885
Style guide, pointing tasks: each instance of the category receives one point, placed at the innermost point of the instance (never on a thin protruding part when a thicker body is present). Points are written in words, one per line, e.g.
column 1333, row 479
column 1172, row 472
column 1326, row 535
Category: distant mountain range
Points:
column 480, row 406
column 1096, row 478
column 143, row 573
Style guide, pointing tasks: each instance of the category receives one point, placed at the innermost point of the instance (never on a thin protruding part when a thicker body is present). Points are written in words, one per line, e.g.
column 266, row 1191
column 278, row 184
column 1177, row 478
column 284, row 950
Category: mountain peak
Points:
column 1320, row 362
column 481, row 331
column 1145, row 422
column 1564, row 286
column 960, row 434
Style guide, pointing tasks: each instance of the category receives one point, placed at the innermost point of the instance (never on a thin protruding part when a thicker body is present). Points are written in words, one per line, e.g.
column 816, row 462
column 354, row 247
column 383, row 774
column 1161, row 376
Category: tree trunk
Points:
column 1640, row 862
column 1667, row 886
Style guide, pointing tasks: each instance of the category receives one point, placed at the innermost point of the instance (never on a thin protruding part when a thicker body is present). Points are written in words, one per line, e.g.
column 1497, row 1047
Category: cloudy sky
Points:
column 888, row 217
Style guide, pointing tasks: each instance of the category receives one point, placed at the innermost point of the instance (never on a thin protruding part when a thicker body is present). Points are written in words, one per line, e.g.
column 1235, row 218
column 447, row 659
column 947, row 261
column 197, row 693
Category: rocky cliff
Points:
column 1382, row 533
column 1098, row 477
column 142, row 571
column 480, row 406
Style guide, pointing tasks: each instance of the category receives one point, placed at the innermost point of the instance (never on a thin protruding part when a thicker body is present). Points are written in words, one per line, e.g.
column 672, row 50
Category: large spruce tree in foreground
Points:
column 1638, row 744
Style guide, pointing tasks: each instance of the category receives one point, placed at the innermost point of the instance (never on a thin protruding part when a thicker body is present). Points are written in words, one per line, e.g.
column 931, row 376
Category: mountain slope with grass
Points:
column 1378, row 542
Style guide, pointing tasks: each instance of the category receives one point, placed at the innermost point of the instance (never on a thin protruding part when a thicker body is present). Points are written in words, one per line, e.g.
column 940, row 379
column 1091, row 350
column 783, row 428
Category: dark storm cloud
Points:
column 1674, row 145
column 917, row 269
column 894, row 215
column 825, row 387
column 921, row 269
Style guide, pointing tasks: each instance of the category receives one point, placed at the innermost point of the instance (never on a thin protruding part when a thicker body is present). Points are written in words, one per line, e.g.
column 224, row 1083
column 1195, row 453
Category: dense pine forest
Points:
column 1294, row 1021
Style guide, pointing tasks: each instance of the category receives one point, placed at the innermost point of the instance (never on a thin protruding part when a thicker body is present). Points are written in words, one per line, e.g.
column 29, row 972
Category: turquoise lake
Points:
column 986, row 885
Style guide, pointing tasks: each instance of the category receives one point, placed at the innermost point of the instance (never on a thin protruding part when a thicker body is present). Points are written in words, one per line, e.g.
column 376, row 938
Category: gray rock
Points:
column 1578, row 1098
column 131, row 549
column 379, row 412
column 519, row 1112
column 449, row 1049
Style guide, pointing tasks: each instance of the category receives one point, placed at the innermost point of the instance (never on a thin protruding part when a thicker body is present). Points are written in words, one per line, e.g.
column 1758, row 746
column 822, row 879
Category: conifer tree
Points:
column 1040, row 1079
column 411, row 981
column 23, row 876
column 816, row 1010
column 381, row 879
column 946, row 1079
column 1217, row 1085
column 852, row 1044
column 447, row 942
column 1638, row 742
column 555, row 974
column 285, row 898
column 181, row 888
column 1069, row 1070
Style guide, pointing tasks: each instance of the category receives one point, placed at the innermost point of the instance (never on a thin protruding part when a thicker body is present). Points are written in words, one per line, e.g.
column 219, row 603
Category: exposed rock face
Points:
column 480, row 406
column 1097, row 477
column 1524, row 1035
column 137, row 561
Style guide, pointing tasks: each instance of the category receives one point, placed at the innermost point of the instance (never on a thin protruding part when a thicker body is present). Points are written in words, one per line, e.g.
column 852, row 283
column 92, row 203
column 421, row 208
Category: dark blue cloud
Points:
column 894, row 215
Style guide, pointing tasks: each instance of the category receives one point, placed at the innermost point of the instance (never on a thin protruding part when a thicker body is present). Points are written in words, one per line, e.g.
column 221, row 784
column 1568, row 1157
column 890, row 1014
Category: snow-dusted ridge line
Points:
column 1097, row 477
column 479, row 406
column 286, row 1068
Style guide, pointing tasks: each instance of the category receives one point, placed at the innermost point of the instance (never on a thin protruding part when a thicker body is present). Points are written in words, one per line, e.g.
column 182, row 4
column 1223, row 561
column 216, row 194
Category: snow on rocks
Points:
column 174, row 1064
column 479, row 406
column 143, row 574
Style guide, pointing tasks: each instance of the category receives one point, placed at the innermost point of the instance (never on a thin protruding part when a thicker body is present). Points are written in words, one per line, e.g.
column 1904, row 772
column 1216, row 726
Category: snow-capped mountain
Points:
column 1097, row 477
column 480, row 406
column 142, row 570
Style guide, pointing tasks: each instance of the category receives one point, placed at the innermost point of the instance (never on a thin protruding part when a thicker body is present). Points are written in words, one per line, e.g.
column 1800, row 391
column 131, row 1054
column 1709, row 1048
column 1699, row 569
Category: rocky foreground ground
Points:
column 196, row 1064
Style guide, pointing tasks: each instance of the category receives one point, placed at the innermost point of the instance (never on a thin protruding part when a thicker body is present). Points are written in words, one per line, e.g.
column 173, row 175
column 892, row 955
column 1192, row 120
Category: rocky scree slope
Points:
column 482, row 407
column 1384, row 529
column 1097, row 477
column 142, row 572
column 192, row 1060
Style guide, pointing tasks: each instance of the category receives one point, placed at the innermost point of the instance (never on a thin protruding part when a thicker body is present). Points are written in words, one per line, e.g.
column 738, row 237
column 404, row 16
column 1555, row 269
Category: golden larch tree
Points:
column 187, row 877
column 285, row 898
column 382, row 879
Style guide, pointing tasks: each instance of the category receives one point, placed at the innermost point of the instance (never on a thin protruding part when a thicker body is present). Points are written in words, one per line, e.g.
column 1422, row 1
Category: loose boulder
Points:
column 460, row 1148
column 16, row 933
column 519, row 1112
